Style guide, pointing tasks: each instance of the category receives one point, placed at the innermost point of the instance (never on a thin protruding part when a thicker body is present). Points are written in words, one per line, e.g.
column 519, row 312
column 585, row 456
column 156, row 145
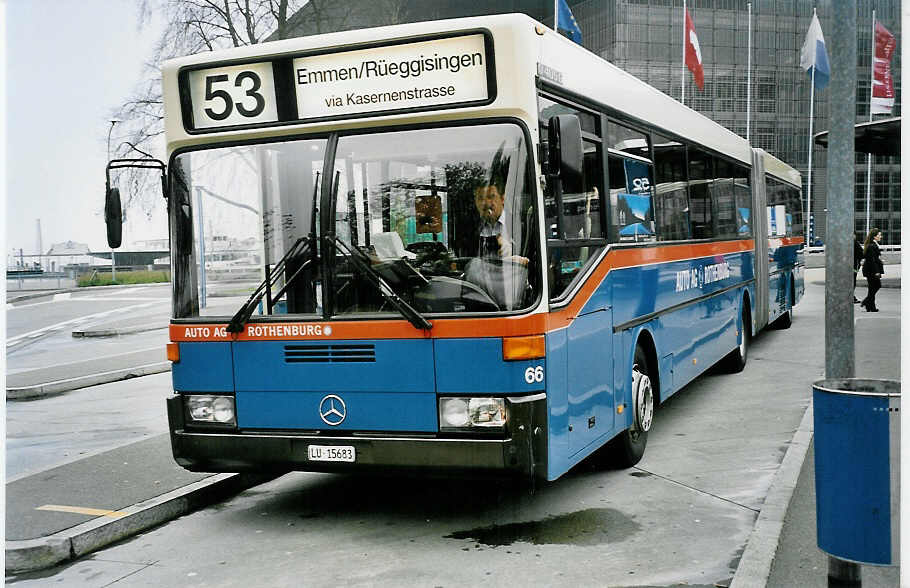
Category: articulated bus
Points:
column 469, row 247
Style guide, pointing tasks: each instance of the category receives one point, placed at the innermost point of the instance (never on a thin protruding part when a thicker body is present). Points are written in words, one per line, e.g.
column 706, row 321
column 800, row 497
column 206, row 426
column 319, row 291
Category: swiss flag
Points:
column 693, row 53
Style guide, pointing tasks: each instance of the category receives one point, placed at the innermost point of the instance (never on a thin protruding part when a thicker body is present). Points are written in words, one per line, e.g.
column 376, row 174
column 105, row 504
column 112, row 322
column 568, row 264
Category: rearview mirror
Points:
column 566, row 152
column 113, row 217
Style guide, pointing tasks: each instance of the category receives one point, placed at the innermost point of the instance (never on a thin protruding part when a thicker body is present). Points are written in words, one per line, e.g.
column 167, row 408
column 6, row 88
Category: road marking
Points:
column 42, row 331
column 82, row 510
column 25, row 306
column 101, row 356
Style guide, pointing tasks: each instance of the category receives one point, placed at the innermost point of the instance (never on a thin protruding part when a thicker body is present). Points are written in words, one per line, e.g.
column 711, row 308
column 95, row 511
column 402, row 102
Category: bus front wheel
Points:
column 629, row 446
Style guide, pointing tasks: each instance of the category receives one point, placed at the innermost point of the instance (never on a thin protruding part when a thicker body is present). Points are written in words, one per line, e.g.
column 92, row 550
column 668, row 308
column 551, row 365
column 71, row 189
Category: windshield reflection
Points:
column 439, row 220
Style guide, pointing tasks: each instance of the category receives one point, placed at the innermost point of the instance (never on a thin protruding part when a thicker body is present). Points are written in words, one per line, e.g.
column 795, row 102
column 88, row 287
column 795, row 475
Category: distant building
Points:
column 644, row 37
column 66, row 255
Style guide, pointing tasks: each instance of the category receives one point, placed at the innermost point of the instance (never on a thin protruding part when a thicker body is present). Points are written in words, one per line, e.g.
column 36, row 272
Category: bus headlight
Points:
column 471, row 413
column 211, row 409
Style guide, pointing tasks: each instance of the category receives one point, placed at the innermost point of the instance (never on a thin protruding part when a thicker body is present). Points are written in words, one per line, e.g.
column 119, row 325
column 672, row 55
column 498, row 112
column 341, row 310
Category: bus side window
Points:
column 724, row 198
column 701, row 176
column 583, row 212
column 631, row 184
column 785, row 215
column 671, row 195
column 582, row 216
column 742, row 197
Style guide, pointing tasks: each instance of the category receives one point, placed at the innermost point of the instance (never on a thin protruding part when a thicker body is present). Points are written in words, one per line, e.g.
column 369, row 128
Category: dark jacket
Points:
column 857, row 254
column 872, row 261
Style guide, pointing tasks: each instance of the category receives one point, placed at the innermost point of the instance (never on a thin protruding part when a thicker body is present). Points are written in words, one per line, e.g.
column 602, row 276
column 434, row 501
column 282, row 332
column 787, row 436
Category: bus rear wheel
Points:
column 735, row 361
column 628, row 447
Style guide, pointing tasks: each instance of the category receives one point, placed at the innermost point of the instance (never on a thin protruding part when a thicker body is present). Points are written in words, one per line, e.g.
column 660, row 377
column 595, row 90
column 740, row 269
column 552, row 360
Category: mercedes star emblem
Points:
column 332, row 410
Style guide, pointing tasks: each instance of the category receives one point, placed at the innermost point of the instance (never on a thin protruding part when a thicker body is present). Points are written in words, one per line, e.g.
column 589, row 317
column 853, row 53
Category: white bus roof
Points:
column 523, row 49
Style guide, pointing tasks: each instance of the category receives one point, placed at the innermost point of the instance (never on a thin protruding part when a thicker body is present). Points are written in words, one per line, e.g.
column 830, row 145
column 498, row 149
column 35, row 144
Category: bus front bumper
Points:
column 522, row 452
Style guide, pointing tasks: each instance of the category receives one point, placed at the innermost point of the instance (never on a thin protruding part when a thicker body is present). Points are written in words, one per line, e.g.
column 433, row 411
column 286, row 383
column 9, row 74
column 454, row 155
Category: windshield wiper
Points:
column 357, row 258
column 300, row 246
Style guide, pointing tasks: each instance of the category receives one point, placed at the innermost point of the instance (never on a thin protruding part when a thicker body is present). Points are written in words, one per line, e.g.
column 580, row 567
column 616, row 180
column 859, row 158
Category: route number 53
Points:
column 233, row 95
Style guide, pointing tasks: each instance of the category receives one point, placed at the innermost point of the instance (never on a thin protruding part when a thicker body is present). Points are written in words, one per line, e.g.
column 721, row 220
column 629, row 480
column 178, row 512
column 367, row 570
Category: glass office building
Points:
column 644, row 37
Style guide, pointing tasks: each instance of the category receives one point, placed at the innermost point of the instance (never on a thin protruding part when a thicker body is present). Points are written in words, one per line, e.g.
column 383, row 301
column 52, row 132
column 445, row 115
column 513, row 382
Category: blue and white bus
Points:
column 469, row 247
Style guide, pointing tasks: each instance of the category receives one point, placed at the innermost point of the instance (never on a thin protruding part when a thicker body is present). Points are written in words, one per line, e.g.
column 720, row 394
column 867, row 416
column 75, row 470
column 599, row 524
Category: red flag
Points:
column 693, row 53
column 882, row 82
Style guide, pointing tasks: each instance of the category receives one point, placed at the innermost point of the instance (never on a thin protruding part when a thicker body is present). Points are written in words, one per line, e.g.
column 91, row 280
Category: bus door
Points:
column 589, row 367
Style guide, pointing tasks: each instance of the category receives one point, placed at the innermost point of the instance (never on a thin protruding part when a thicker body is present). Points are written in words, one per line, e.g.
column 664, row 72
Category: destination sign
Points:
column 410, row 75
column 419, row 75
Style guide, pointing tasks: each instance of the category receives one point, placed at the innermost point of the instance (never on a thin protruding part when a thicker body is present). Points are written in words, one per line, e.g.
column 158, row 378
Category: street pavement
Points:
column 782, row 550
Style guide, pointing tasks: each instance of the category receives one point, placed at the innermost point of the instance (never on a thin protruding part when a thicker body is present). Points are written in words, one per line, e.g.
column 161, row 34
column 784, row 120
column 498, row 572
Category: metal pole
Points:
column 839, row 335
column 809, row 178
column 683, row 95
column 749, row 79
column 113, row 261
column 869, row 155
column 201, row 230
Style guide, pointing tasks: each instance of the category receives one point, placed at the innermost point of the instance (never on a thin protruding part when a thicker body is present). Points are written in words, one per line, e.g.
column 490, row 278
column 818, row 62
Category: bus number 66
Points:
column 534, row 374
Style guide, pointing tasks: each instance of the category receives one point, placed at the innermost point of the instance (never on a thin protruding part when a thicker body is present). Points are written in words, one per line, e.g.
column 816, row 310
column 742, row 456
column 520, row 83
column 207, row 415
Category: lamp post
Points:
column 113, row 262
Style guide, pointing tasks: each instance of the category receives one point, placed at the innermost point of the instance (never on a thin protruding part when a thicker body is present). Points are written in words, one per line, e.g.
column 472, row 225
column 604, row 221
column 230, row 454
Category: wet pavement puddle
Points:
column 593, row 526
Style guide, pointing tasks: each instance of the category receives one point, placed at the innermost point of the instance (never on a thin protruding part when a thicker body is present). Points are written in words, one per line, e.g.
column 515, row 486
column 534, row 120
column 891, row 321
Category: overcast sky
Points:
column 69, row 64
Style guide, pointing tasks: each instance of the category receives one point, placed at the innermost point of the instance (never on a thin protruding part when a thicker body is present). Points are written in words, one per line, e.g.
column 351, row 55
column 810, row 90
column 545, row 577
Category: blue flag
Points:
column 814, row 56
column 566, row 24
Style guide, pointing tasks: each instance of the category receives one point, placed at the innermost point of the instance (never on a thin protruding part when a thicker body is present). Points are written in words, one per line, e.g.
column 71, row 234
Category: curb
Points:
column 754, row 567
column 60, row 386
column 36, row 554
column 51, row 292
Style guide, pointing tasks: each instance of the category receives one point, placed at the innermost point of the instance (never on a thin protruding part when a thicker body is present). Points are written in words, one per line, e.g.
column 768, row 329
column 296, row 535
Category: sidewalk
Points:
column 783, row 549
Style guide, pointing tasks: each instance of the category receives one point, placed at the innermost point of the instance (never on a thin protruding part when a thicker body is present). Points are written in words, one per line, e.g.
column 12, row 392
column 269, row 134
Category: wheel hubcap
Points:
column 643, row 397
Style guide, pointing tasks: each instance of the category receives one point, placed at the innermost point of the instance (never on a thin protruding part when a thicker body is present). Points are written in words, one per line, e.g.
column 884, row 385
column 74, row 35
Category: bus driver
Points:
column 495, row 237
column 500, row 273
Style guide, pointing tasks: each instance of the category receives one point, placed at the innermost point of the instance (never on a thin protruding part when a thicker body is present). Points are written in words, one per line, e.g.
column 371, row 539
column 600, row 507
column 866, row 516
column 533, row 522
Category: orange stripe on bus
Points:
column 451, row 328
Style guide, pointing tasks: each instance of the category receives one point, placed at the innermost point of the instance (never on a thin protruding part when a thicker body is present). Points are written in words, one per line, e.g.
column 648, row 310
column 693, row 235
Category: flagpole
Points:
column 869, row 155
column 811, row 121
column 749, row 79
column 556, row 16
column 809, row 180
column 683, row 97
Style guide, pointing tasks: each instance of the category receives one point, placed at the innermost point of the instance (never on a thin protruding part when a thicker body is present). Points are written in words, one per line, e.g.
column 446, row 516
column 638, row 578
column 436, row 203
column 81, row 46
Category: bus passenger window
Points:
column 582, row 214
column 670, row 198
column 723, row 196
column 742, row 197
column 785, row 215
column 631, row 183
column 631, row 199
column 701, row 176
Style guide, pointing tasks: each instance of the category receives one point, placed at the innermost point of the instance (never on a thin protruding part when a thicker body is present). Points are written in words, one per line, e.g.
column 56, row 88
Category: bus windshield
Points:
column 441, row 219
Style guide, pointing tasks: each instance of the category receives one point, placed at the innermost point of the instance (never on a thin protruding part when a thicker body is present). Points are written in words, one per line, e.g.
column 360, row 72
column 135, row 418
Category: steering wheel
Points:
column 427, row 251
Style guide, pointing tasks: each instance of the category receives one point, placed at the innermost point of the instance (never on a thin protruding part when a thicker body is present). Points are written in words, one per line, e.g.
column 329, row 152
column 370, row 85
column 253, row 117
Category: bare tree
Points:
column 195, row 26
column 190, row 26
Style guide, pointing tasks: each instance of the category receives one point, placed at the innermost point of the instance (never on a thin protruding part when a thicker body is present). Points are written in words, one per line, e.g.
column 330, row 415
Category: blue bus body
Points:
column 392, row 390
column 677, row 246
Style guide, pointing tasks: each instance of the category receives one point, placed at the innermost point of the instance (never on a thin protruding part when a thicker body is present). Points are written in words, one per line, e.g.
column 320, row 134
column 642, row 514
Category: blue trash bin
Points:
column 857, row 469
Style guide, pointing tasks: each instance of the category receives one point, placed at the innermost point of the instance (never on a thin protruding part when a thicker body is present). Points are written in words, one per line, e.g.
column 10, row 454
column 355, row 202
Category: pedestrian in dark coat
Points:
column 872, row 268
column 857, row 260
